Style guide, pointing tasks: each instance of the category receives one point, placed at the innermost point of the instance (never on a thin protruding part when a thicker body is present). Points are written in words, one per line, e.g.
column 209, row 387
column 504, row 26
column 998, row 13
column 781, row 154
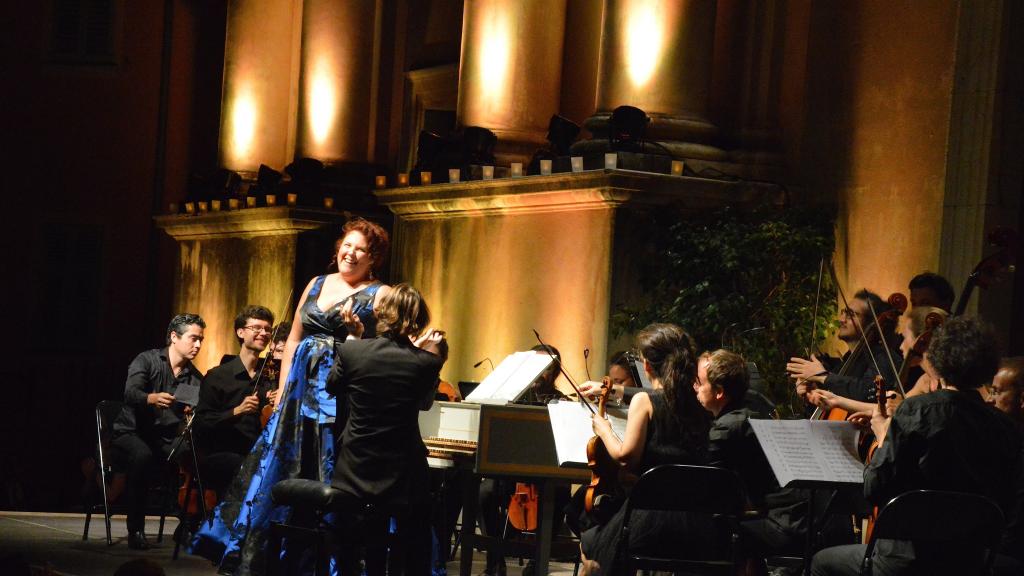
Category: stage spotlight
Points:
column 626, row 128
column 428, row 149
column 305, row 170
column 562, row 133
column 478, row 146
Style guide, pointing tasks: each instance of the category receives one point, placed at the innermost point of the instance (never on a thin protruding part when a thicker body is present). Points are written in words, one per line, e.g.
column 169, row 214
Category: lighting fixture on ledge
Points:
column 626, row 128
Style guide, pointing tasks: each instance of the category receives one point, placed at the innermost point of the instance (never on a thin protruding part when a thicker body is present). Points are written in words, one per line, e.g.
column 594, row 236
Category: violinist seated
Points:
column 1006, row 394
column 494, row 493
column 665, row 425
column 228, row 415
column 852, row 377
column 623, row 388
column 280, row 335
column 914, row 333
column 946, row 440
column 620, row 374
column 150, row 422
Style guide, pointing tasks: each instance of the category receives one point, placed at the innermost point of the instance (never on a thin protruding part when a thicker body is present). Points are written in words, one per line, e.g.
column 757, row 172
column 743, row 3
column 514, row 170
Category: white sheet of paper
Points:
column 810, row 450
column 572, row 427
column 511, row 378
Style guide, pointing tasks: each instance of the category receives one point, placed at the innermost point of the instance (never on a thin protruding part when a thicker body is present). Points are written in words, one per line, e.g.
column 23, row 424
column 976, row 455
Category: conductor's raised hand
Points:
column 434, row 341
column 160, row 399
column 351, row 320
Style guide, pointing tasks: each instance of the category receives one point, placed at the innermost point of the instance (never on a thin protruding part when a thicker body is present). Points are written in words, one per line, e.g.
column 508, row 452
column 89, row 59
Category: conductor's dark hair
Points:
column 180, row 323
column 941, row 287
column 965, row 352
column 252, row 311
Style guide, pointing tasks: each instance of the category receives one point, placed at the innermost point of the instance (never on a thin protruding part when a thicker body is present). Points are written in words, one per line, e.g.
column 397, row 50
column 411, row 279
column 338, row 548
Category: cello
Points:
column 990, row 267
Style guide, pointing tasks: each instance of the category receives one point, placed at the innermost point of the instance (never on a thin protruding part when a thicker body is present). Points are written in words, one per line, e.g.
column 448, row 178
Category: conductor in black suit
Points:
column 382, row 462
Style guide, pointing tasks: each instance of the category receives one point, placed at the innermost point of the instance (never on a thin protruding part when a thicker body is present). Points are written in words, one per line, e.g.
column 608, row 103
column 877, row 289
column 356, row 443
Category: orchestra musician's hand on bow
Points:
column 249, row 405
column 806, row 371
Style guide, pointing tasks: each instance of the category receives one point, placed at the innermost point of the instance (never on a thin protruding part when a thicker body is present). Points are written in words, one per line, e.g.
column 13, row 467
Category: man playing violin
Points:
column 854, row 379
column 946, row 440
column 228, row 415
column 149, row 423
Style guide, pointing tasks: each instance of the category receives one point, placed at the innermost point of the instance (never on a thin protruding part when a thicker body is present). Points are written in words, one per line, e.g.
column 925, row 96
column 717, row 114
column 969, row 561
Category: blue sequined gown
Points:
column 236, row 534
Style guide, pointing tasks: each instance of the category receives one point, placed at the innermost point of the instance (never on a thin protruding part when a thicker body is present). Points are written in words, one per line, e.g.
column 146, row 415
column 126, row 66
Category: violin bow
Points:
column 564, row 373
column 888, row 352
column 817, row 300
column 860, row 332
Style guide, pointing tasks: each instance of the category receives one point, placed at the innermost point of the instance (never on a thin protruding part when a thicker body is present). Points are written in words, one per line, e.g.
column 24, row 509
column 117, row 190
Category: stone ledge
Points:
column 248, row 222
column 587, row 190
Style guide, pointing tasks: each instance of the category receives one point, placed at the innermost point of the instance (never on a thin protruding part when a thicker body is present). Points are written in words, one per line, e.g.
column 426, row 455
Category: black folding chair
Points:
column 702, row 490
column 106, row 413
column 955, row 532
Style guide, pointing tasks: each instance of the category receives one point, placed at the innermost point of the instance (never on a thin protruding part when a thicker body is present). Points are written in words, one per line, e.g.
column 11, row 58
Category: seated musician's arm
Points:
column 883, row 477
column 211, row 411
column 630, row 450
column 138, row 386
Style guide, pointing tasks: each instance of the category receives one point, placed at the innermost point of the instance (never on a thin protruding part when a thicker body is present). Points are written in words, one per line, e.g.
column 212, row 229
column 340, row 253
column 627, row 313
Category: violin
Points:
column 916, row 352
column 604, row 470
column 880, row 393
column 266, row 379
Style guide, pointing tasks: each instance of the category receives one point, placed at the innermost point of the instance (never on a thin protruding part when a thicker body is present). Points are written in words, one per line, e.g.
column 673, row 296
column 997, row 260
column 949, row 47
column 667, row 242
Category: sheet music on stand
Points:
column 810, row 452
column 572, row 429
column 511, row 378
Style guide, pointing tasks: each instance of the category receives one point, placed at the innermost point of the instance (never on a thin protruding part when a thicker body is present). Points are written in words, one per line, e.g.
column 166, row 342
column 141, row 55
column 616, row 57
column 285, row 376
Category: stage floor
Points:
column 55, row 540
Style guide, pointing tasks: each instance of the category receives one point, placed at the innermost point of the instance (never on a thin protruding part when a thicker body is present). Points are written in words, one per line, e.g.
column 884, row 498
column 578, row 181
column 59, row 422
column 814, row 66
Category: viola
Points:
column 266, row 379
column 604, row 470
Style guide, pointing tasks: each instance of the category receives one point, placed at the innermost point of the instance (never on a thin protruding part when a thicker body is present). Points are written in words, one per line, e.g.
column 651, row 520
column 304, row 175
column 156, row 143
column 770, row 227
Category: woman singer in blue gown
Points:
column 298, row 441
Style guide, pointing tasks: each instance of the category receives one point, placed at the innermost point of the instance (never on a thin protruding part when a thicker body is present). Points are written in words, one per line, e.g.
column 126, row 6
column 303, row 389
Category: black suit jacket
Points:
column 381, row 458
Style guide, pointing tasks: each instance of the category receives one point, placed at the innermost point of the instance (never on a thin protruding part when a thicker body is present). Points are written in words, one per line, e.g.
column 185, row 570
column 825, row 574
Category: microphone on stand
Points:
column 488, row 360
column 744, row 333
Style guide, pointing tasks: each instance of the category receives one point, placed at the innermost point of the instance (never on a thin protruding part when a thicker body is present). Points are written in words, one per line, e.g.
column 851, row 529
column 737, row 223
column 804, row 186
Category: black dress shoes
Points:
column 137, row 540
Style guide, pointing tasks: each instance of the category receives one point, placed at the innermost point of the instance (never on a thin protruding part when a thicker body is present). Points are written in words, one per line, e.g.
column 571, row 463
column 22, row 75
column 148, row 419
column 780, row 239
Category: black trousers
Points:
column 218, row 470
column 143, row 462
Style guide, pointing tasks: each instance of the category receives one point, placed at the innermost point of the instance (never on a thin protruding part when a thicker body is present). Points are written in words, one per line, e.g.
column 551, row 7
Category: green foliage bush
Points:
column 721, row 273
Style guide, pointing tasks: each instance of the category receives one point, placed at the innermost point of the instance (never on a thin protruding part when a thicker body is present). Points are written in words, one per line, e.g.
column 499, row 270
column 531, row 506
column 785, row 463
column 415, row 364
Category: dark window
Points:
column 83, row 32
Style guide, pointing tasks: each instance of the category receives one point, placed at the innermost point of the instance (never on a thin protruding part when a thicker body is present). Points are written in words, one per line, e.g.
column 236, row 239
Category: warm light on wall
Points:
column 644, row 40
column 495, row 54
column 323, row 102
column 243, row 124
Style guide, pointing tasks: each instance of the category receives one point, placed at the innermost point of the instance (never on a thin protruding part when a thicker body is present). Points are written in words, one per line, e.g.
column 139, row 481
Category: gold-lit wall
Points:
column 218, row 277
column 510, row 74
column 338, row 87
column 877, row 137
column 491, row 280
column 260, row 99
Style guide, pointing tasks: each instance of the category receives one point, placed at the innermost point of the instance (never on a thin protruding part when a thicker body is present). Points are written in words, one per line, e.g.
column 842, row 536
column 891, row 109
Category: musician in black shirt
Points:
column 228, row 415
column 856, row 380
column 945, row 440
column 150, row 420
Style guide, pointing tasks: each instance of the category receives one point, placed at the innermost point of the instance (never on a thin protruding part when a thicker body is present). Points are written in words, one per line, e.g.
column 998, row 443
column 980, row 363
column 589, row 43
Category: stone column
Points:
column 338, row 103
column 511, row 71
column 259, row 103
column 656, row 55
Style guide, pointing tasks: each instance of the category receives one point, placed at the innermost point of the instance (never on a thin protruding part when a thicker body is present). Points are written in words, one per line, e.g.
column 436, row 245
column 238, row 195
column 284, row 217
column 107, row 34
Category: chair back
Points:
column 106, row 412
column 968, row 523
column 680, row 487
